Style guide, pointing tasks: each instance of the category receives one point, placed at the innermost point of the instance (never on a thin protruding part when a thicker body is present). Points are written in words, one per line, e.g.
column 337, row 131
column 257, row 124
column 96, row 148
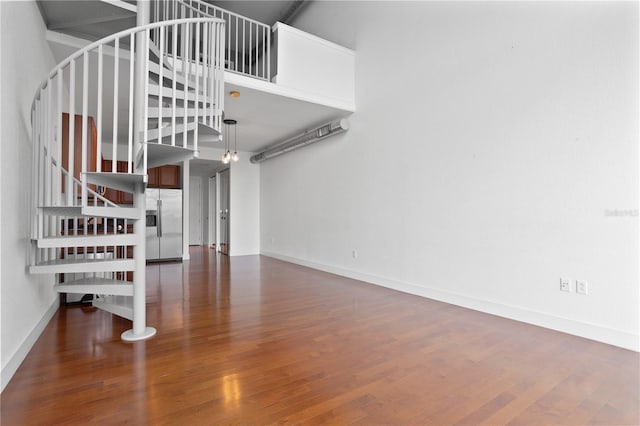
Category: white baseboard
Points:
column 12, row 366
column 621, row 338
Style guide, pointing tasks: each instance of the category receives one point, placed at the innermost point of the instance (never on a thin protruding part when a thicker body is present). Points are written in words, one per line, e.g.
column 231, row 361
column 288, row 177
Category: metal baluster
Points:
column 116, row 69
column 71, row 147
column 161, row 85
column 235, row 64
column 99, row 110
column 132, row 45
column 197, row 66
column 174, row 51
column 85, row 122
column 205, row 46
column 59, row 136
column 185, row 72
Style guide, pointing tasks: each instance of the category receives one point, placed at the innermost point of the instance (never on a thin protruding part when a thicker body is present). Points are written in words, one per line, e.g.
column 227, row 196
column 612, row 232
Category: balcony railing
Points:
column 248, row 42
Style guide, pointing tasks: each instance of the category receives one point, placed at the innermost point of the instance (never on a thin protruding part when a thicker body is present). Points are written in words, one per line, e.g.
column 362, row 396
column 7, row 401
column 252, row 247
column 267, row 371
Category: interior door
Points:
column 212, row 212
column 224, row 211
column 195, row 211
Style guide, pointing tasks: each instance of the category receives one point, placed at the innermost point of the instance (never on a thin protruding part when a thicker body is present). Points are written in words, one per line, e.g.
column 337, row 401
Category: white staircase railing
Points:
column 247, row 50
column 77, row 86
column 86, row 104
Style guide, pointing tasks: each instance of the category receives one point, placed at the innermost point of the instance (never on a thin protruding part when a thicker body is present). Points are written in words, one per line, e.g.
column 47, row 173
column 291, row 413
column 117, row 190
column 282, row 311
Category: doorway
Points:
column 211, row 232
column 223, row 212
column 195, row 211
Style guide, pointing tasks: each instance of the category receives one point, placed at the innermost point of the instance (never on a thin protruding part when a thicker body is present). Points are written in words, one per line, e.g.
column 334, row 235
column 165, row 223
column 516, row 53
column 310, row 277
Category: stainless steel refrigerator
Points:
column 164, row 224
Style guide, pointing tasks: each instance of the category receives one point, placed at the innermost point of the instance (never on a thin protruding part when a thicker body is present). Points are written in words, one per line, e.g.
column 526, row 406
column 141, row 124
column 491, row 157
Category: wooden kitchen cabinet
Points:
column 169, row 177
column 152, row 177
column 164, row 177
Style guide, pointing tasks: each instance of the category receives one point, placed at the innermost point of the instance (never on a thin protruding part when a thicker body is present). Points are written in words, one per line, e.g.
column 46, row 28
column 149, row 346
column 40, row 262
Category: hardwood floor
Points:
column 253, row 340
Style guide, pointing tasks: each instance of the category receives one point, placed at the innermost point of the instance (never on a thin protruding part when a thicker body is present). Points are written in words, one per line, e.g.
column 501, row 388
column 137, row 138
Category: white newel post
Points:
column 140, row 330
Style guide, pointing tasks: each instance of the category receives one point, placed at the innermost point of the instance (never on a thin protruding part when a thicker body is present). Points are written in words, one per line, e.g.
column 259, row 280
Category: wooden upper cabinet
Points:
column 164, row 177
column 169, row 177
column 152, row 174
column 92, row 142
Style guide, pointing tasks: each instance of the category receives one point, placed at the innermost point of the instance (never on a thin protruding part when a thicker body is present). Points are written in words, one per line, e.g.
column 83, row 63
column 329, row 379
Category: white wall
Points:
column 244, row 218
column 490, row 145
column 28, row 301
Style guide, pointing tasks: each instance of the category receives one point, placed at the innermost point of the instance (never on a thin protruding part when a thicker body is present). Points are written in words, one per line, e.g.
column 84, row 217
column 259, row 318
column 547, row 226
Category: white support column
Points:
column 140, row 330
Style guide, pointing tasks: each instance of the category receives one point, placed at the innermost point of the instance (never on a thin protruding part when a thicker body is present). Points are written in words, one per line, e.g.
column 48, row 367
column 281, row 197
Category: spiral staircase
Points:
column 149, row 95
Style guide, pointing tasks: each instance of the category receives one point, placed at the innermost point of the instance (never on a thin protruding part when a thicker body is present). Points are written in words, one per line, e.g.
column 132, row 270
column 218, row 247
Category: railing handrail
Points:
column 211, row 6
column 106, row 201
column 254, row 60
column 113, row 37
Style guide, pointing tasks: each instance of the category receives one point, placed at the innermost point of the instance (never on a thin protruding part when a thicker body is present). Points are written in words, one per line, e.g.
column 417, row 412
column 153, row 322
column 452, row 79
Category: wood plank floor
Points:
column 252, row 340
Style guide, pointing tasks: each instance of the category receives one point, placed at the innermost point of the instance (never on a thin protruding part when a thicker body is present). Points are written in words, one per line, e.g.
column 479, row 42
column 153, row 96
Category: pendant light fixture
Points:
column 227, row 156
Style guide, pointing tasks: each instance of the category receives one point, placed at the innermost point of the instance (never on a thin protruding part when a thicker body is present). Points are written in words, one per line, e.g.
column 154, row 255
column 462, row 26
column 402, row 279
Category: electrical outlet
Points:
column 582, row 287
column 565, row 285
column 354, row 254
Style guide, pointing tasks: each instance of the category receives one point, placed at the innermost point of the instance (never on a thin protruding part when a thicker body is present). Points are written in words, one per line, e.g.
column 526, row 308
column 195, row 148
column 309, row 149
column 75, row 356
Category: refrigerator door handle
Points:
column 159, row 228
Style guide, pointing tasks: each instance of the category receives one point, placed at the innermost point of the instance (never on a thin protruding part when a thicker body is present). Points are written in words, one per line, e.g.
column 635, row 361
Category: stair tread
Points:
column 168, row 111
column 78, row 265
column 96, row 285
column 104, row 211
column 123, row 176
column 96, row 281
column 113, row 211
column 87, row 240
column 120, row 181
column 96, row 236
column 75, row 261
column 167, row 92
column 161, row 154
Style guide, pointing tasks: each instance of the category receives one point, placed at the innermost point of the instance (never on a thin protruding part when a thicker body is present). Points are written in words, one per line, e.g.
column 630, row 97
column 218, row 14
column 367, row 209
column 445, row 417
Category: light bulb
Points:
column 235, row 156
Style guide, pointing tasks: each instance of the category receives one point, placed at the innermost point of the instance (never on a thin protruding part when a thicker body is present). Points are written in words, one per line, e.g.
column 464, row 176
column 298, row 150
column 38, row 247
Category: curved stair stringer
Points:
column 152, row 114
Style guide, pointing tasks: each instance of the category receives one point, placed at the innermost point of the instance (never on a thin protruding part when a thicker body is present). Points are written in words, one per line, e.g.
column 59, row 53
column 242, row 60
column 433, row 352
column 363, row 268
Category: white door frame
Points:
column 218, row 191
column 212, row 237
column 218, row 212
